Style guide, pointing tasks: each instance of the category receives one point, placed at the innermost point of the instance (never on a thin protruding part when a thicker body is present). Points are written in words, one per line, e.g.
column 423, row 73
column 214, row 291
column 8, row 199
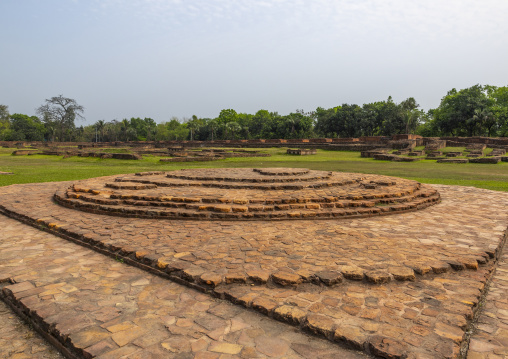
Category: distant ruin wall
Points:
column 492, row 142
column 339, row 144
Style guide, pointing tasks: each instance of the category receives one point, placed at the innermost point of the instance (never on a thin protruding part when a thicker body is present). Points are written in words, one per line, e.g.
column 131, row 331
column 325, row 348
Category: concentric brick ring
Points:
column 248, row 194
column 255, row 175
column 281, row 171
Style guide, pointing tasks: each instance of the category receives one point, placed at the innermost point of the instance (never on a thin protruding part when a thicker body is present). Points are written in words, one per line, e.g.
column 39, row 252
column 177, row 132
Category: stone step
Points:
column 180, row 267
column 208, row 194
column 98, row 195
column 94, row 306
column 256, row 175
column 280, row 204
column 152, row 209
column 268, row 185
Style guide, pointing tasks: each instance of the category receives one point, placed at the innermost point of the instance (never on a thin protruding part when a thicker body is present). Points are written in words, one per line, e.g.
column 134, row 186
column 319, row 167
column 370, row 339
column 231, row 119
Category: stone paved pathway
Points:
column 468, row 224
column 490, row 341
column 19, row 341
column 406, row 285
column 101, row 307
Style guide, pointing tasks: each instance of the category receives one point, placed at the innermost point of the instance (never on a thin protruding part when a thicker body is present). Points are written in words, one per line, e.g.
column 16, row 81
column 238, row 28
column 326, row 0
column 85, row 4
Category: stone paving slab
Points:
column 345, row 280
column 99, row 307
column 490, row 340
column 19, row 341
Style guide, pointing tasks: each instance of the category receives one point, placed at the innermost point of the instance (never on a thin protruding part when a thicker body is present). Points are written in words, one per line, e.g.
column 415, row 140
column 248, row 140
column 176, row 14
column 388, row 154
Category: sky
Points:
column 164, row 58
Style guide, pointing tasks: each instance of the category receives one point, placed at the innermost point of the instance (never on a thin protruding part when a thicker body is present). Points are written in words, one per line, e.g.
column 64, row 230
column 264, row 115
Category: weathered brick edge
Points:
column 47, row 331
column 312, row 323
column 184, row 272
column 60, row 198
column 479, row 308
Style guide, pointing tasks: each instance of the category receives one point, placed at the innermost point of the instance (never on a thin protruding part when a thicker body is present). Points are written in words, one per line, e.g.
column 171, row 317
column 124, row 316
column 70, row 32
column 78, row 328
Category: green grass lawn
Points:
column 38, row 168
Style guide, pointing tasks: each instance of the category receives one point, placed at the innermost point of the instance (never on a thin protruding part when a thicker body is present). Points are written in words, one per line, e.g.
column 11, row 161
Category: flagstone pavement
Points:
column 97, row 306
column 403, row 286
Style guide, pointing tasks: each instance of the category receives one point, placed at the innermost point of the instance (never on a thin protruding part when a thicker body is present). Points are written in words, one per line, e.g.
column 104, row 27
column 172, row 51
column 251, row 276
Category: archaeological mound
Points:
column 247, row 194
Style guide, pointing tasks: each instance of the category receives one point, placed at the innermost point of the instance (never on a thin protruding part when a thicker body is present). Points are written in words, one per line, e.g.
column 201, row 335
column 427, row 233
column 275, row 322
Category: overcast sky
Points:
column 164, row 58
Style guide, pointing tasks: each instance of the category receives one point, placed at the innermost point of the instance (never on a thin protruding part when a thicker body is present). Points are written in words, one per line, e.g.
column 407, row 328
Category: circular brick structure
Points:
column 247, row 194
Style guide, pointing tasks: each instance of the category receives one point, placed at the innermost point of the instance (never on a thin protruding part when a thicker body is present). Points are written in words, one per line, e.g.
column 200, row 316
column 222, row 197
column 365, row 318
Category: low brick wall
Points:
column 491, row 160
column 396, row 140
column 192, row 159
column 435, row 145
column 301, row 152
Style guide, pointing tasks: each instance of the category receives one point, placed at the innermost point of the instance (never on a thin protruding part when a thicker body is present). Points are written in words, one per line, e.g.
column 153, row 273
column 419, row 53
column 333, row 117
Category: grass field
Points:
column 38, row 168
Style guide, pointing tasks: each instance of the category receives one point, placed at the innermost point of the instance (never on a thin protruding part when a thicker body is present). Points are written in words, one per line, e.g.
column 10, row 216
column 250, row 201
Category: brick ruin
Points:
column 190, row 151
column 301, row 152
column 344, row 144
column 308, row 248
column 248, row 194
column 170, row 154
column 408, row 285
column 180, row 154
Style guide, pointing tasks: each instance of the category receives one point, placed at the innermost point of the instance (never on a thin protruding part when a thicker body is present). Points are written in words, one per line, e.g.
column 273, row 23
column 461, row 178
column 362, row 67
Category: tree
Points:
column 4, row 113
column 427, row 127
column 344, row 121
column 245, row 122
column 99, row 128
column 112, row 131
column 51, row 131
column 141, row 129
column 393, row 121
column 500, row 108
column 85, row 134
column 262, row 124
column 484, row 119
column 151, row 129
column 411, row 114
column 233, row 128
column 62, row 111
column 194, row 124
column 466, row 112
column 213, row 124
column 295, row 125
column 227, row 115
column 4, row 121
column 25, row 128
column 172, row 130
column 124, row 127
column 370, row 122
column 324, row 122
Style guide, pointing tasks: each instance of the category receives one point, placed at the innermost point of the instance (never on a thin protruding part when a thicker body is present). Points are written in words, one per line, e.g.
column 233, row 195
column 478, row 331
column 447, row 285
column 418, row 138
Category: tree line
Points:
column 474, row 111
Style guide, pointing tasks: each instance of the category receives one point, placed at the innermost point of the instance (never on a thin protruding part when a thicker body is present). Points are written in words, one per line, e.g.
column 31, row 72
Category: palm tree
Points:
column 124, row 127
column 192, row 126
column 113, row 130
column 132, row 134
column 483, row 118
column 99, row 127
column 213, row 124
column 411, row 120
column 233, row 127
